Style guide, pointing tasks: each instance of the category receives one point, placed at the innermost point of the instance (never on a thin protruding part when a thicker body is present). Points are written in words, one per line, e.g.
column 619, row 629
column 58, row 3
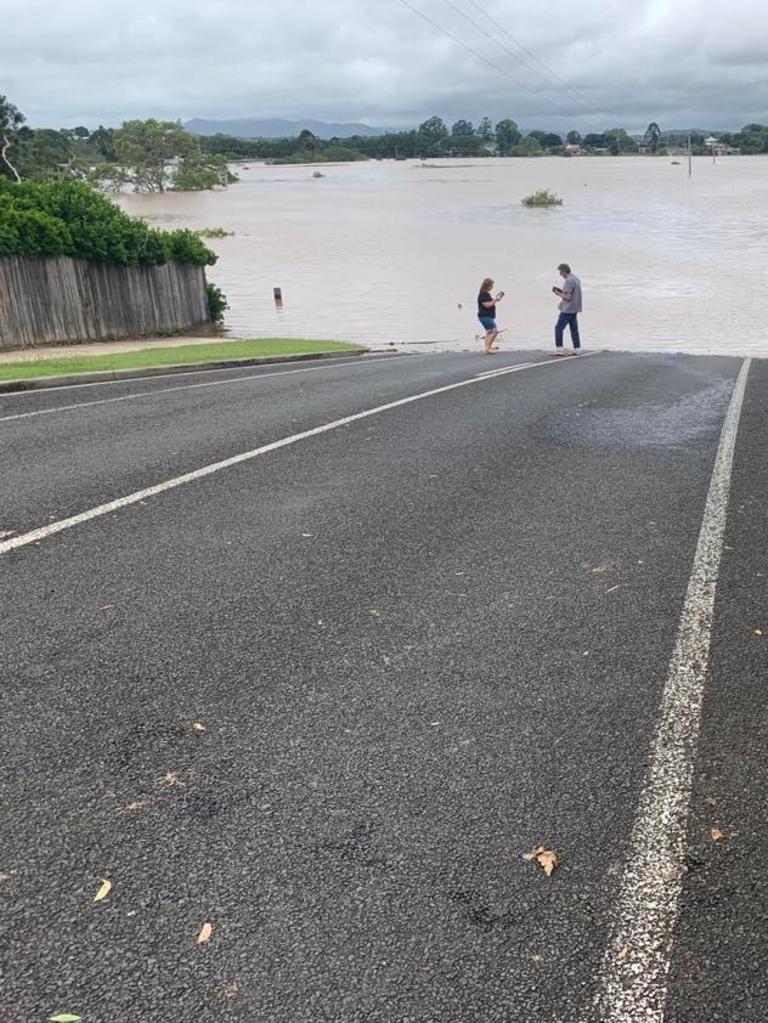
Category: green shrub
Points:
column 213, row 232
column 542, row 198
column 217, row 302
column 72, row 219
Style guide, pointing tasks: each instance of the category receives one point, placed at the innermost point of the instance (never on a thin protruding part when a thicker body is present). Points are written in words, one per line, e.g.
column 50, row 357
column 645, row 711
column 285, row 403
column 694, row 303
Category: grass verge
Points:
column 164, row 356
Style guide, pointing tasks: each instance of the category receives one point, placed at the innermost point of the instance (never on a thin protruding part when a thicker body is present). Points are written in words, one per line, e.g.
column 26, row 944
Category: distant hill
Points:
column 274, row 128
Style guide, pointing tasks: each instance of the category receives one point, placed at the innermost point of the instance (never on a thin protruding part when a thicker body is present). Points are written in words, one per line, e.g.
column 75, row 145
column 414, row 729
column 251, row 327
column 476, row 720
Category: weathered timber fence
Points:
column 45, row 301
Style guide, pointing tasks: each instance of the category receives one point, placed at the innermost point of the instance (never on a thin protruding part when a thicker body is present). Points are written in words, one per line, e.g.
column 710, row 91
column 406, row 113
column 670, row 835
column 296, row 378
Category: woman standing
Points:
column 486, row 313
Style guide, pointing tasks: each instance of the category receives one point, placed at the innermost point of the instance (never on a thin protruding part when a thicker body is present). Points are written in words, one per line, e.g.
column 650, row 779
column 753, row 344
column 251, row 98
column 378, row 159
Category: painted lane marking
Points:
column 43, row 532
column 180, row 387
column 632, row 987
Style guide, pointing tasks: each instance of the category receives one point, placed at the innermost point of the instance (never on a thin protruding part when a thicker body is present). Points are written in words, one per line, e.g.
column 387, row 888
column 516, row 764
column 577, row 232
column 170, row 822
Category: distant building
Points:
column 720, row 148
column 573, row 148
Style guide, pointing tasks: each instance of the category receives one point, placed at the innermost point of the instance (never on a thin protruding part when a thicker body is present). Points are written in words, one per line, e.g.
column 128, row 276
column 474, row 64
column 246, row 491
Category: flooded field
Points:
column 384, row 252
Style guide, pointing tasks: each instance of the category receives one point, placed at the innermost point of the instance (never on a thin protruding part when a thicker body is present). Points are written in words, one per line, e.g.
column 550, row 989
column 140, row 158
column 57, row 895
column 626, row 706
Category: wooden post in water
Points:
column 278, row 293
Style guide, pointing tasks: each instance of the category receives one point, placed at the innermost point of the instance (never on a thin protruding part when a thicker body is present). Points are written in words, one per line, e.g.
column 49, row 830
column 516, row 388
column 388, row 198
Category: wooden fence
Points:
column 45, row 301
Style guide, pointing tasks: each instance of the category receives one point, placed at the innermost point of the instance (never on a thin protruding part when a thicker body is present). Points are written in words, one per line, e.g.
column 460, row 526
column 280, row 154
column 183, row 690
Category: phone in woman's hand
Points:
column 500, row 295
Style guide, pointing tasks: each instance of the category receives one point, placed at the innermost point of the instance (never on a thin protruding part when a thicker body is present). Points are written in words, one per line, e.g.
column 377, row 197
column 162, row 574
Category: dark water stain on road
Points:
column 693, row 417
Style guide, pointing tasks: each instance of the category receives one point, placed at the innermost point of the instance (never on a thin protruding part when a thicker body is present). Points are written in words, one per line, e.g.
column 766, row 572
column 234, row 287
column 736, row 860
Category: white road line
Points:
column 36, row 535
column 331, row 364
column 633, row 984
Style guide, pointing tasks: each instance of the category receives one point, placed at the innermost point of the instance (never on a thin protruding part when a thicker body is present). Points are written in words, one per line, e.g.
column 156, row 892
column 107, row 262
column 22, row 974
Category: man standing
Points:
column 570, row 307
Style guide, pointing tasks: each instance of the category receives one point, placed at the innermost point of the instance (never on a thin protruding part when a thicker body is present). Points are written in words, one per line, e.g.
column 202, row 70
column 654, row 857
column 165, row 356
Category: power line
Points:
column 479, row 56
column 533, row 56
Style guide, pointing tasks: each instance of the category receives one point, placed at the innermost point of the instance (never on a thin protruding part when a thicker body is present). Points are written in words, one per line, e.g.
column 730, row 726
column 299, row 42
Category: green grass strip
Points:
column 163, row 356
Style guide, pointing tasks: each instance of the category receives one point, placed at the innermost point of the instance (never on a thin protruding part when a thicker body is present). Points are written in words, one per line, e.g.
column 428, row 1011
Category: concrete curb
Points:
column 110, row 375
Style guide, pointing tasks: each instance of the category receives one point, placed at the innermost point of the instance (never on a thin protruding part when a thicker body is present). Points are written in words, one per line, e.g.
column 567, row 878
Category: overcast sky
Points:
column 102, row 61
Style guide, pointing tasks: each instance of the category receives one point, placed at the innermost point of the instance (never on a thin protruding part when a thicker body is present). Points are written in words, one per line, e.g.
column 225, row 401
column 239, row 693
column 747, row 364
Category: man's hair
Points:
column 565, row 268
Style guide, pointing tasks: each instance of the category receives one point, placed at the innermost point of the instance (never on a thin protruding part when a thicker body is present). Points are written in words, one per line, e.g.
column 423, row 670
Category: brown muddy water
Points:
column 383, row 252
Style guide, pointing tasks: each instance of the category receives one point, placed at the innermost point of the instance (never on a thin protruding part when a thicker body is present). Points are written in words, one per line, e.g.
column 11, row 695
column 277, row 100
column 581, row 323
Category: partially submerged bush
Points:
column 542, row 198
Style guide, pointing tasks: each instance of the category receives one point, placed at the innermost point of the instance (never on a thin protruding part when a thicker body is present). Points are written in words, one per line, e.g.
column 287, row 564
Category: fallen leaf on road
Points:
column 546, row 858
column 64, row 1017
column 623, row 954
column 107, row 607
column 172, row 778
column 4, row 877
column 537, row 959
column 600, row 569
column 306, row 535
column 716, row 834
column 374, row 613
column 205, row 933
column 136, row 805
column 229, row 991
column 103, row 892
column 198, row 727
column 612, row 589
column 758, row 632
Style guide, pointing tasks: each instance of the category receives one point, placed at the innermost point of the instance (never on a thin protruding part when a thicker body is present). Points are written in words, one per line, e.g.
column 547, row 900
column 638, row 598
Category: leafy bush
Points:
column 71, row 219
column 542, row 198
column 213, row 232
column 217, row 302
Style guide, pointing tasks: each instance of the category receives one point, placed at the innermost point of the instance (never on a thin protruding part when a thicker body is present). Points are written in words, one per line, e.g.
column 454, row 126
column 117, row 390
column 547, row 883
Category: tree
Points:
column 308, row 141
column 81, row 132
column 485, row 131
column 546, row 139
column 103, row 139
column 507, row 136
column 619, row 141
column 462, row 127
column 145, row 150
column 433, row 128
column 652, row 137
column 593, row 140
column 529, row 146
column 573, row 138
column 11, row 119
column 198, row 171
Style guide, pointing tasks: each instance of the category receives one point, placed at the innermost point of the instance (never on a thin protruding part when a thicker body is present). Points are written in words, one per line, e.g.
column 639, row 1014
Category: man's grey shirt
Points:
column 571, row 302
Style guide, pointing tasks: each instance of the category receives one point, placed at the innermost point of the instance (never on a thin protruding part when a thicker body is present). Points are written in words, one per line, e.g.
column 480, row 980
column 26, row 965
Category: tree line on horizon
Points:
column 151, row 155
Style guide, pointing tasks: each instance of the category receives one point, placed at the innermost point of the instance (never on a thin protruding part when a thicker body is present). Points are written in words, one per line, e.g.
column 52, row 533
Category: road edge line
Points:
column 632, row 983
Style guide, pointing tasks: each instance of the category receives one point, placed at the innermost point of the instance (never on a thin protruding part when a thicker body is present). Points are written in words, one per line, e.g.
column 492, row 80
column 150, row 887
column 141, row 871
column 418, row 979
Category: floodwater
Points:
column 382, row 252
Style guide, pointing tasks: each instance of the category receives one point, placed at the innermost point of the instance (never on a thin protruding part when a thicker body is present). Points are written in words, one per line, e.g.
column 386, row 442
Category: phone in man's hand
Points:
column 557, row 291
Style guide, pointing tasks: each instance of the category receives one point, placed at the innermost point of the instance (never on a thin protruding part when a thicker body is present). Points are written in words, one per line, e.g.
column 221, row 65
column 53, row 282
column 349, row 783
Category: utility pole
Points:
column 690, row 164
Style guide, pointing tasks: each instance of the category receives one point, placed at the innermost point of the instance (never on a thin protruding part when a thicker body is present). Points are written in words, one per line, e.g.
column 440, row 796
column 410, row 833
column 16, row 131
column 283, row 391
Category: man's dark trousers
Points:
column 567, row 320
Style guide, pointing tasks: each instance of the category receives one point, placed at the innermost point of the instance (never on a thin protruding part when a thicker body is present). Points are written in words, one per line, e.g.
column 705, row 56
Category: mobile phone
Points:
column 500, row 295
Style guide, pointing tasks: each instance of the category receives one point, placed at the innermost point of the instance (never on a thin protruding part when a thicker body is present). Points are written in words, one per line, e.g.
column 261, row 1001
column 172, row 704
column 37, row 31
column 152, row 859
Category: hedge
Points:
column 71, row 219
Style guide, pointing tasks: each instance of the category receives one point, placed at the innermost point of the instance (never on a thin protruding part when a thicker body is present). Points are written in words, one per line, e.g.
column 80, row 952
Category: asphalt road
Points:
column 324, row 698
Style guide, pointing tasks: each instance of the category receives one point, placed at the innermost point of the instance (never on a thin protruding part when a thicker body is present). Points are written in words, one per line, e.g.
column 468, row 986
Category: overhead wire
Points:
column 485, row 60
column 558, row 78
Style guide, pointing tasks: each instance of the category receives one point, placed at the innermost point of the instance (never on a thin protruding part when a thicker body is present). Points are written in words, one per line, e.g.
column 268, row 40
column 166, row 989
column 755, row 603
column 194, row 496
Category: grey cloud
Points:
column 375, row 60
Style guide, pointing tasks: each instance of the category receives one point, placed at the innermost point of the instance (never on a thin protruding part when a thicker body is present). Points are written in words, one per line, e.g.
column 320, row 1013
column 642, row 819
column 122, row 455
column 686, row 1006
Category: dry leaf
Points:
column 716, row 834
column 136, row 805
column 103, row 892
column 205, row 933
column 4, row 877
column 546, row 858
column 172, row 778
column 612, row 589
column 107, row 607
column 374, row 613
column 758, row 632
column 623, row 954
column 199, row 727
column 537, row 959
column 64, row 1017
